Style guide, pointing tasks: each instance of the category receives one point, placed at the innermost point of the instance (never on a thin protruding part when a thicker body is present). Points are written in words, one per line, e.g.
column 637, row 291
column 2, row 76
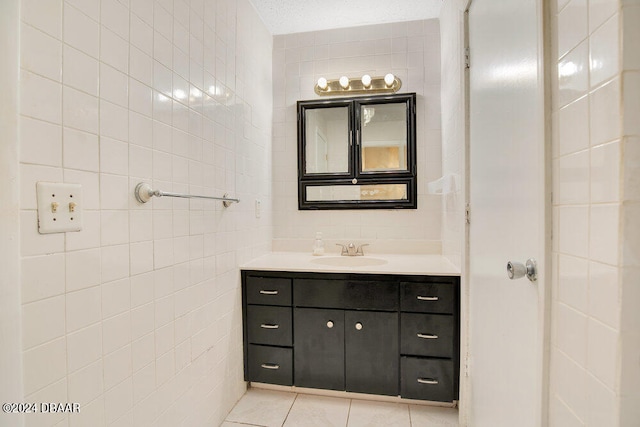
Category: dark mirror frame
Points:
column 407, row 177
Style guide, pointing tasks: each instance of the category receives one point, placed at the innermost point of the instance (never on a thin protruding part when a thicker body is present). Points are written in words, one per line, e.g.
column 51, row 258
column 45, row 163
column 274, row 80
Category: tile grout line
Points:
column 290, row 408
column 349, row 412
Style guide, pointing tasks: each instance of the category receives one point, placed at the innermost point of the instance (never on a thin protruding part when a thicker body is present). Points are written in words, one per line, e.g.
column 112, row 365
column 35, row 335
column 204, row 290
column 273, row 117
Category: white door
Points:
column 507, row 201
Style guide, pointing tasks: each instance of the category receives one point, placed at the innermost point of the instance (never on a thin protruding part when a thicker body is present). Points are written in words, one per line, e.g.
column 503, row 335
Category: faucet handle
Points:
column 359, row 251
column 344, row 250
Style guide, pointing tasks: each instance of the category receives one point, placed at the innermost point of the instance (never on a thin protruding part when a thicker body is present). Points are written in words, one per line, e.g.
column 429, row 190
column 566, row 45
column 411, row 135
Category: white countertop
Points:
column 435, row 265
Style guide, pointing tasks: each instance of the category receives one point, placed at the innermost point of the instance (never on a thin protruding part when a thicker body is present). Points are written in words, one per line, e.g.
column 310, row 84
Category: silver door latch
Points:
column 516, row 270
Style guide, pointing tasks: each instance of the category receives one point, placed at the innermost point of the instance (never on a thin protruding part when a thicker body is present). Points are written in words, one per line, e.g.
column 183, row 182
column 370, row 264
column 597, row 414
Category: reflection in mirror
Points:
column 356, row 192
column 327, row 140
column 384, row 137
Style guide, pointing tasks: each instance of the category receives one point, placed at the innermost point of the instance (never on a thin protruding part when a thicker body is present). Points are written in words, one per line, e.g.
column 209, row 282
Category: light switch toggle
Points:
column 54, row 207
column 72, row 206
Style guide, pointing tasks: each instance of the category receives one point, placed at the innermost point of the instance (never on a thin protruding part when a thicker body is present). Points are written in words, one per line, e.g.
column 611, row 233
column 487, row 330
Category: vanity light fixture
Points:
column 365, row 85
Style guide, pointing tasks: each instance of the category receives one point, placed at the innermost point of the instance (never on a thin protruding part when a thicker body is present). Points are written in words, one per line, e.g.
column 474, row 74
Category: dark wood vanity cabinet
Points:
column 378, row 334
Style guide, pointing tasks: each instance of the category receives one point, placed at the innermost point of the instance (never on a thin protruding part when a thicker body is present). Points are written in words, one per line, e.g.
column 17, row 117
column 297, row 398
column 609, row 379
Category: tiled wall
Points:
column 409, row 50
column 595, row 205
column 137, row 317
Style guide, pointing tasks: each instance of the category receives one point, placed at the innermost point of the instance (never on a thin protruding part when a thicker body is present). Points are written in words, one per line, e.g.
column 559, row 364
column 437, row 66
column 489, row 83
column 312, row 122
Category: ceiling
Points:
column 298, row 16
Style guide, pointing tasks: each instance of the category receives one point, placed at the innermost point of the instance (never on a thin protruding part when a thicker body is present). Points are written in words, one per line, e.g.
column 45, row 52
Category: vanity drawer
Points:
column 428, row 297
column 427, row 379
column 269, row 325
column 346, row 294
column 268, row 290
column 427, row 334
column 271, row 365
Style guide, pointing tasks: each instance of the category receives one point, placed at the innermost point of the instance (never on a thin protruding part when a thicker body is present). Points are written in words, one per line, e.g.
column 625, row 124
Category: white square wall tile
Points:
column 115, row 262
column 41, row 142
column 141, row 289
column 45, row 15
column 83, row 308
column 601, row 361
column 117, row 366
column 603, row 233
column 80, row 150
column 114, row 192
column 40, row 98
column 80, row 110
column 604, row 294
column 116, row 297
column 114, row 121
column 82, row 269
column 34, row 243
column 114, row 156
column 118, row 400
column 40, row 53
column 43, row 321
column 81, row 32
column 571, row 333
column 80, row 70
column 604, row 56
column 90, row 8
column 44, row 365
column 116, row 332
column 114, row 50
column 141, row 257
column 605, row 173
column 573, row 124
column 600, row 11
column 115, row 16
column 569, row 383
column 605, row 113
column 572, row 25
column 86, row 384
column 574, row 230
column 573, row 75
column 42, row 277
column 84, row 347
column 114, row 85
column 573, row 179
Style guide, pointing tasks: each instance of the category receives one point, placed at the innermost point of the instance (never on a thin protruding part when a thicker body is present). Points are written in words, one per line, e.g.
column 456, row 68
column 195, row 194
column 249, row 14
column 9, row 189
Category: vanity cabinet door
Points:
column 371, row 352
column 318, row 339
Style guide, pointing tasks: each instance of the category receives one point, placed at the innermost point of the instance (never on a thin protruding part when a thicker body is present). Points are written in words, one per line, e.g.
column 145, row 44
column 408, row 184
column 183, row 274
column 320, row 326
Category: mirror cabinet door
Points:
column 383, row 137
column 327, row 140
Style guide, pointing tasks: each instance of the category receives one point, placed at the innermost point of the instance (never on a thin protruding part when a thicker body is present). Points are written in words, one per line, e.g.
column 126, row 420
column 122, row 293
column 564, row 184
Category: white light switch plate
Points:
column 59, row 207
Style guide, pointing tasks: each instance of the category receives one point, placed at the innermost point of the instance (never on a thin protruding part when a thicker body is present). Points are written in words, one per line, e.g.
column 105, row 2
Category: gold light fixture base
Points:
column 356, row 87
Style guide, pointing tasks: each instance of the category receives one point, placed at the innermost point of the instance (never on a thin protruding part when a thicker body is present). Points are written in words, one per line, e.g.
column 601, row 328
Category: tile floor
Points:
column 269, row 408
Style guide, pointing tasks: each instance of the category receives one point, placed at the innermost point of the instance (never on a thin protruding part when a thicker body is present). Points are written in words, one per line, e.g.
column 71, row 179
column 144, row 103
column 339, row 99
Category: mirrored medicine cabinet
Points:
column 357, row 153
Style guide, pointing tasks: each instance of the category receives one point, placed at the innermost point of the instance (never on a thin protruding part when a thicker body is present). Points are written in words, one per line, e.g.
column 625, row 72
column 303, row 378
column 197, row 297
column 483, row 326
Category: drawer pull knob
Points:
column 330, row 324
column 421, row 298
column 270, row 366
column 428, row 336
column 427, row 381
column 359, row 326
column 263, row 292
column 268, row 326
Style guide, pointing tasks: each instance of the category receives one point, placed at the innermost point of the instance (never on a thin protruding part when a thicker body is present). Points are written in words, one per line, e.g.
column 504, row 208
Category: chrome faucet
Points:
column 351, row 250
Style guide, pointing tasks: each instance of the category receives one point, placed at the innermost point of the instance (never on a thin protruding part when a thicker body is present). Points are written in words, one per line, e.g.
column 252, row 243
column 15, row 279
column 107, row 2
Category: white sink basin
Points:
column 349, row 261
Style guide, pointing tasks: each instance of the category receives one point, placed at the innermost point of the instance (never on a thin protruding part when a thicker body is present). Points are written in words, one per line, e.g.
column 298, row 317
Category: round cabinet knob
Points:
column 329, row 324
column 359, row 326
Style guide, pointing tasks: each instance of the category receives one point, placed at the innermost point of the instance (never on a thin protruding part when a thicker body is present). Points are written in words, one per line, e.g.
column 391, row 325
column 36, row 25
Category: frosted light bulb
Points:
column 322, row 83
column 344, row 82
column 366, row 80
column 389, row 79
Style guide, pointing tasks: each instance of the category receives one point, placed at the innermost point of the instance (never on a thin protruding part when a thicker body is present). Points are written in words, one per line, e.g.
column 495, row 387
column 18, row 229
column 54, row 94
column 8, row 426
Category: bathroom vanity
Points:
column 379, row 333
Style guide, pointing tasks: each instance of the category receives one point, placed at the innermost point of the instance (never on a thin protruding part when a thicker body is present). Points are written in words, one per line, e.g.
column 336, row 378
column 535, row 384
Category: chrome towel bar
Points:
column 144, row 193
